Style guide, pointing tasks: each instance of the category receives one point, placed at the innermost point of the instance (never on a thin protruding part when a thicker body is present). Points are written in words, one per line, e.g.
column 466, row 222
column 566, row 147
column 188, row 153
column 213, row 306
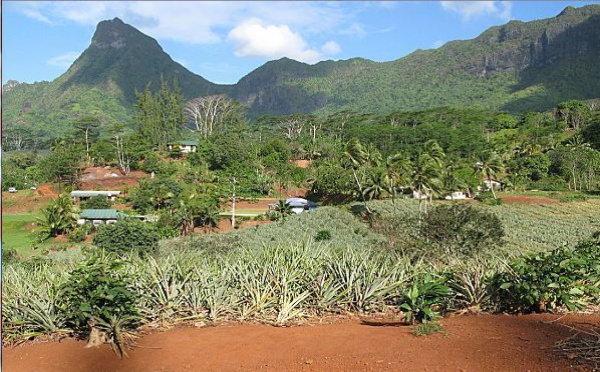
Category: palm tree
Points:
column 489, row 164
column 398, row 169
column 376, row 185
column 435, row 151
column 356, row 153
column 425, row 177
column 59, row 217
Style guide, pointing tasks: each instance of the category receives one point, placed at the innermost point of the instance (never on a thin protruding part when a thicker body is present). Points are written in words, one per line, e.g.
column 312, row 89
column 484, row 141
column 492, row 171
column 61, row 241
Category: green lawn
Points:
column 17, row 232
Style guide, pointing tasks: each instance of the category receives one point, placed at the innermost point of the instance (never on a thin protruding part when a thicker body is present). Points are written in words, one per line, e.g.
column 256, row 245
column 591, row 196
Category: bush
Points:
column 323, row 235
column 96, row 202
column 573, row 198
column 545, row 281
column 127, row 235
column 79, row 234
column 98, row 296
column 487, row 198
column 424, row 299
column 461, row 230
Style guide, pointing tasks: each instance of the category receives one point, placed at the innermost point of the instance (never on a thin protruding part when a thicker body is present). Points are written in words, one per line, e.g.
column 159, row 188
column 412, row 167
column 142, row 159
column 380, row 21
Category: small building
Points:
column 100, row 216
column 184, row 146
column 456, row 195
column 299, row 205
column 418, row 195
column 497, row 185
column 80, row 195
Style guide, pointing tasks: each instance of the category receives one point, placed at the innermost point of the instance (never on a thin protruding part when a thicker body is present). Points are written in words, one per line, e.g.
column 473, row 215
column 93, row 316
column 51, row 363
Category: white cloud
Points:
column 470, row 10
column 195, row 22
column 254, row 39
column 37, row 15
column 331, row 47
column 355, row 29
column 64, row 60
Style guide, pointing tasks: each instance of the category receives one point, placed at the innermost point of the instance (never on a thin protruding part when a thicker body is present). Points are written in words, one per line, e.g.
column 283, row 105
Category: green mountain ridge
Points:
column 518, row 66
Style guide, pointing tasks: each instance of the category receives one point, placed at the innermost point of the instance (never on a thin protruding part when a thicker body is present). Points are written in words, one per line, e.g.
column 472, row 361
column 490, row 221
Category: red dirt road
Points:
column 469, row 343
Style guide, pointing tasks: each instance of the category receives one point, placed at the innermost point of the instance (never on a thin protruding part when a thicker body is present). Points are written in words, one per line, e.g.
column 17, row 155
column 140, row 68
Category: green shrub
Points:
column 79, row 233
column 573, row 198
column 127, row 235
column 98, row 296
column 487, row 198
column 461, row 230
column 424, row 299
column 323, row 235
column 96, row 202
column 545, row 281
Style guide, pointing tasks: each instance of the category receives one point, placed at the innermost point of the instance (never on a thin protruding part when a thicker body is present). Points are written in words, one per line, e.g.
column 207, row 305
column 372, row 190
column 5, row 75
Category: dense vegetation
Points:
column 515, row 67
column 282, row 273
column 367, row 248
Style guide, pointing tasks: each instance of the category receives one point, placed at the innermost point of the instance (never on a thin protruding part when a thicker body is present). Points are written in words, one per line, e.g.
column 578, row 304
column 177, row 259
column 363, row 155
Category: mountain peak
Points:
column 116, row 34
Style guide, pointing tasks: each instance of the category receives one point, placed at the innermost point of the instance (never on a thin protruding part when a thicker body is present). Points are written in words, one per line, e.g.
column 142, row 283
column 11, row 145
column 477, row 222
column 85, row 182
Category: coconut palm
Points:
column 435, row 151
column 376, row 184
column 398, row 170
column 489, row 164
column 59, row 217
column 425, row 177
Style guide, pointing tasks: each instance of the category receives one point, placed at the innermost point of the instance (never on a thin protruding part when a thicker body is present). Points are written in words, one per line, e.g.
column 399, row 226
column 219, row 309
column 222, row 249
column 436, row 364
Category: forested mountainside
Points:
column 517, row 67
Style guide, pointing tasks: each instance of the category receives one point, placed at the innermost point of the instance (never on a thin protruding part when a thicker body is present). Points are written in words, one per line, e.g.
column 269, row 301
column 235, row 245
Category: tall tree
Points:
column 425, row 177
column 210, row 113
column 574, row 113
column 160, row 115
column 397, row 173
column 489, row 164
column 88, row 127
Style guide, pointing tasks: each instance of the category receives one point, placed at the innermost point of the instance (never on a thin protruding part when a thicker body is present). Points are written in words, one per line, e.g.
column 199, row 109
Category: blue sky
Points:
column 225, row 40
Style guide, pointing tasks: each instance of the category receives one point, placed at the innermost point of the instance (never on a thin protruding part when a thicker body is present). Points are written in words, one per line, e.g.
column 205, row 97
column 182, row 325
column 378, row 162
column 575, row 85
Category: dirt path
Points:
column 473, row 343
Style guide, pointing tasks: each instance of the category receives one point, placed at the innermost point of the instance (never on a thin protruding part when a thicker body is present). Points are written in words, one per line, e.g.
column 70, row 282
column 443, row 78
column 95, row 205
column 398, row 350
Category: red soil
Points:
column 99, row 178
column 302, row 163
column 530, row 200
column 468, row 343
column 26, row 201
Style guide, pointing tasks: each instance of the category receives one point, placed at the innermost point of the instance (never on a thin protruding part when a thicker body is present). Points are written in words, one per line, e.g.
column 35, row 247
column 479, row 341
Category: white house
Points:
column 456, row 195
column 497, row 185
column 184, row 146
column 83, row 195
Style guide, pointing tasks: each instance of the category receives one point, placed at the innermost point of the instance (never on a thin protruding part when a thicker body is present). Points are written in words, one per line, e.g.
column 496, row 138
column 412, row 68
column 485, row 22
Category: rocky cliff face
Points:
column 9, row 85
column 517, row 45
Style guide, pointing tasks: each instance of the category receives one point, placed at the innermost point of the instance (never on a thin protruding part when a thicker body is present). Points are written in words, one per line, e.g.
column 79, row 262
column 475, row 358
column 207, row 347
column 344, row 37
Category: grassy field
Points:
column 17, row 232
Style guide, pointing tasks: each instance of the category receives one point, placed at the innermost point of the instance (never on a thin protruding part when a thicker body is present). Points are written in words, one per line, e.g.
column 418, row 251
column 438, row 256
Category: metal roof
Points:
column 184, row 143
column 91, row 193
column 101, row 214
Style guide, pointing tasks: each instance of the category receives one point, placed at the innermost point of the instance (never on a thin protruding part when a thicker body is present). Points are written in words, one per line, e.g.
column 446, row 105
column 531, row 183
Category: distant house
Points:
column 183, row 146
column 418, row 195
column 497, row 185
column 102, row 216
column 83, row 195
column 457, row 195
column 299, row 205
